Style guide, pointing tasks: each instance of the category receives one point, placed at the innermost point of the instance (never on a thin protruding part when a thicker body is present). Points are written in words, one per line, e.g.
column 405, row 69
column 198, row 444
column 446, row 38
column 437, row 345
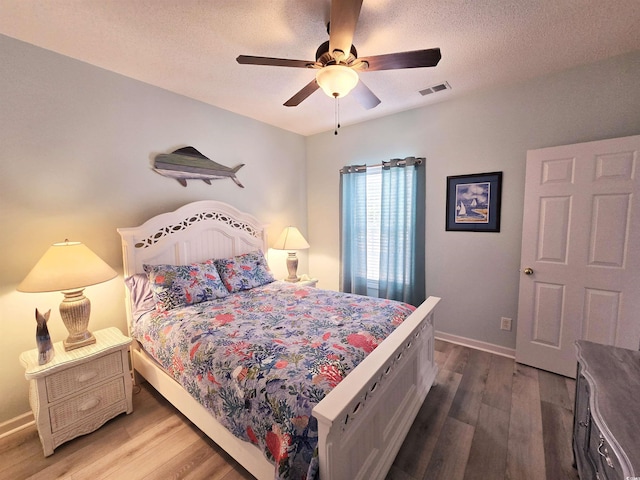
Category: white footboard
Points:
column 364, row 420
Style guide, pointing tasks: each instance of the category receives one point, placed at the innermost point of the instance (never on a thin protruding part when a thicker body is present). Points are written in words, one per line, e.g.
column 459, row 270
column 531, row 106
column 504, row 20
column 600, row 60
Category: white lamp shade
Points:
column 336, row 80
column 290, row 239
column 66, row 266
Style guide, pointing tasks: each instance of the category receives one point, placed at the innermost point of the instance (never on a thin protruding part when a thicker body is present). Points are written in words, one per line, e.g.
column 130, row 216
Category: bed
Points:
column 364, row 418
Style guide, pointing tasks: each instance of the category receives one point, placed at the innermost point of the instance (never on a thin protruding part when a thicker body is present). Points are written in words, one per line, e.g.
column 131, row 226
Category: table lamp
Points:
column 69, row 267
column 291, row 239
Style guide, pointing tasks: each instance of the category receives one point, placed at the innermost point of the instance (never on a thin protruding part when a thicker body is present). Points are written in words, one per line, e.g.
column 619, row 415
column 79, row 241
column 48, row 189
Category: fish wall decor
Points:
column 189, row 164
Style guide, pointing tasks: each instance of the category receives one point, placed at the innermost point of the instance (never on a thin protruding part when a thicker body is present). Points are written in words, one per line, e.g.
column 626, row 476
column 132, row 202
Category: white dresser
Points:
column 79, row 390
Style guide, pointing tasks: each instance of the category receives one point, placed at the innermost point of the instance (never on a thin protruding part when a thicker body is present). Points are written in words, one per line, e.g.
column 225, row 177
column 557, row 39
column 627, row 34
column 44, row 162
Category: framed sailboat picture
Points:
column 473, row 202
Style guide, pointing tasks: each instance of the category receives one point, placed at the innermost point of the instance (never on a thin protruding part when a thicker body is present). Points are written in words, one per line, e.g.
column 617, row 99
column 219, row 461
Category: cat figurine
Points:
column 43, row 340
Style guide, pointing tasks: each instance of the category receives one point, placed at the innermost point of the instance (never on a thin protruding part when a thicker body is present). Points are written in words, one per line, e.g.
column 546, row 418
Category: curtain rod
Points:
column 394, row 162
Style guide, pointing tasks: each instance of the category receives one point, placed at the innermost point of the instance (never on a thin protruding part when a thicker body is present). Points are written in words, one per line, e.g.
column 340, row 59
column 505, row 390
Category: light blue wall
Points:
column 476, row 274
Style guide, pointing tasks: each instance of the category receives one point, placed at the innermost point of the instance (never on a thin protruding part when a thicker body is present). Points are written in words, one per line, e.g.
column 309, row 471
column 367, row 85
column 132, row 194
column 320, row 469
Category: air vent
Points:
column 435, row 89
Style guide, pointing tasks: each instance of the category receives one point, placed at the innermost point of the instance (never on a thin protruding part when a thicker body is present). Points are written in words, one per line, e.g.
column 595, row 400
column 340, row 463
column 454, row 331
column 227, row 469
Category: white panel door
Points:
column 580, row 265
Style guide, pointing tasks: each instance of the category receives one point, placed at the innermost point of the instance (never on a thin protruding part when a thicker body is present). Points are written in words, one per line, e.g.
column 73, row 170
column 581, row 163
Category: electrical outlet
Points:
column 505, row 324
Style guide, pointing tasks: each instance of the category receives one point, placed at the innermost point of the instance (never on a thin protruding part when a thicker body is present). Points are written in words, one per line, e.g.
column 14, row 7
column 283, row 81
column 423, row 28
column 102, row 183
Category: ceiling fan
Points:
column 337, row 61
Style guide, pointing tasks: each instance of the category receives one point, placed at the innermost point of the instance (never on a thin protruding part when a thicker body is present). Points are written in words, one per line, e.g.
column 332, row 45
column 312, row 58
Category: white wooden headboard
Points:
column 193, row 233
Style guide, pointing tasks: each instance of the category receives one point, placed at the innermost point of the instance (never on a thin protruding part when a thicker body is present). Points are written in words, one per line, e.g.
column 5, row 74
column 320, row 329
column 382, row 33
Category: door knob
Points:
column 528, row 271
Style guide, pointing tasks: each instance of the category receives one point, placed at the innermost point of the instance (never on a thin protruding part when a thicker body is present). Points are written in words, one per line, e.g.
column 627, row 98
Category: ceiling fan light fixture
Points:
column 336, row 80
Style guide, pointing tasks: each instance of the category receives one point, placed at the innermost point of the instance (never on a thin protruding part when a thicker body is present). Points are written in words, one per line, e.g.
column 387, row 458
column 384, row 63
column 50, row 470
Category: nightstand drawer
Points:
column 87, row 404
column 68, row 381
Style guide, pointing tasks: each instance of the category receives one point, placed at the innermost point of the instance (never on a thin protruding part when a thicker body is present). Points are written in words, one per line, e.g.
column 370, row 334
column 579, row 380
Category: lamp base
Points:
column 75, row 310
column 72, row 344
column 292, row 268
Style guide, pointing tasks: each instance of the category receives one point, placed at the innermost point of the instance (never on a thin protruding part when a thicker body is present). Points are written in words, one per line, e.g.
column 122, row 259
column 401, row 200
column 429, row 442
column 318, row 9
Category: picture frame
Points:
column 473, row 202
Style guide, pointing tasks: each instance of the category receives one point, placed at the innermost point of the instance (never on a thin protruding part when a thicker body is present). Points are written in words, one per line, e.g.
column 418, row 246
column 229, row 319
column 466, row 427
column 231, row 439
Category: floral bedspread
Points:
column 261, row 359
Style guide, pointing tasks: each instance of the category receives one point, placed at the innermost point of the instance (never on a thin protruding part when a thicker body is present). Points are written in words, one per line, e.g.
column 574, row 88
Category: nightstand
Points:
column 79, row 390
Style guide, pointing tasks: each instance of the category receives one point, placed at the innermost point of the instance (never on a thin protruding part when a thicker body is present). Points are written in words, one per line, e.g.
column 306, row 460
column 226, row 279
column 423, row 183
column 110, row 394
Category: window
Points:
column 382, row 230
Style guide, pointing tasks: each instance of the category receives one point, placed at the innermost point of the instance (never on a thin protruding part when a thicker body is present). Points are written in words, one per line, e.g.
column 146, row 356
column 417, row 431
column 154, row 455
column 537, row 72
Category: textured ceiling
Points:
column 189, row 46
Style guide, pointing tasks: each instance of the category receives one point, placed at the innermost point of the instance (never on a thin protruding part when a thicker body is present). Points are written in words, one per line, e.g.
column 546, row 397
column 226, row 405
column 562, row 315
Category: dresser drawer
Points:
column 87, row 404
column 604, row 464
column 69, row 381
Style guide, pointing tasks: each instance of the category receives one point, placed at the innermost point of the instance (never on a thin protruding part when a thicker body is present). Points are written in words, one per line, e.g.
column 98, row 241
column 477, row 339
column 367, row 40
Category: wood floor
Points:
column 486, row 418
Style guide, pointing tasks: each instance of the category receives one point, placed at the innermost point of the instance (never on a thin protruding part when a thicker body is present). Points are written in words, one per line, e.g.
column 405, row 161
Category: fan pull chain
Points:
column 337, row 115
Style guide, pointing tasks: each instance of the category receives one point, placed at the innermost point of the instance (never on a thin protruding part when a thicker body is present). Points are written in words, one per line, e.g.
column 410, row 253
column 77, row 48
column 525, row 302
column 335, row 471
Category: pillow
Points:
column 244, row 272
column 180, row 285
column 141, row 297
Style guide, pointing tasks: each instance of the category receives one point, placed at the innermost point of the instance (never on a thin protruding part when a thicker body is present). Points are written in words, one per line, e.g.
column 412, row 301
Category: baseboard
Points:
column 476, row 344
column 16, row 424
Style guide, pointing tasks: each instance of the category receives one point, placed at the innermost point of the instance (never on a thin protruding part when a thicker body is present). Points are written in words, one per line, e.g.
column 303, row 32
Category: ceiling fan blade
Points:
column 344, row 17
column 307, row 90
column 414, row 59
column 274, row 62
column 364, row 96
